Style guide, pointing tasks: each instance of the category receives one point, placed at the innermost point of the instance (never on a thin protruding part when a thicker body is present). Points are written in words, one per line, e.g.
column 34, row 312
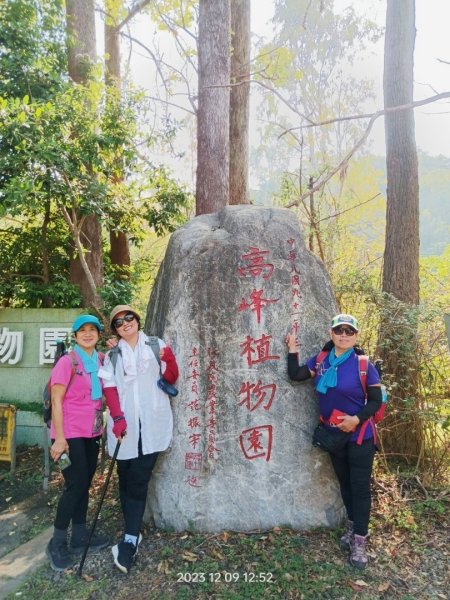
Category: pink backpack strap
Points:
column 363, row 366
column 320, row 358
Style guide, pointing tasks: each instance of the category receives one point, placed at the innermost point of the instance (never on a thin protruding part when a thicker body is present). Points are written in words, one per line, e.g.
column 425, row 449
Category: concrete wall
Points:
column 23, row 372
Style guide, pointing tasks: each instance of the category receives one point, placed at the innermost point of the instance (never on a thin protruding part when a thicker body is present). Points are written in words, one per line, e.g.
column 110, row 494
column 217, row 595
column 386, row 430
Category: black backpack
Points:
column 61, row 350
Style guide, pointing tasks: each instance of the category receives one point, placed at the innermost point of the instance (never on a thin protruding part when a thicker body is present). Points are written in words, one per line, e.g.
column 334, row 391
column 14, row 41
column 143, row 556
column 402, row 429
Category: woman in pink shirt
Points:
column 76, row 430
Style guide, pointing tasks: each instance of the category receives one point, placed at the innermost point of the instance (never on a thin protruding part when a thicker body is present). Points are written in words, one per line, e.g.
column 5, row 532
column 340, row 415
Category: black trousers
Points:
column 73, row 504
column 134, row 476
column 353, row 468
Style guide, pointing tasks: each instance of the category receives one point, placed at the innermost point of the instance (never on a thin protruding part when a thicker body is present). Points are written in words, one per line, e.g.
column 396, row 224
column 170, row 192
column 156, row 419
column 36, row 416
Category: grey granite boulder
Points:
column 231, row 286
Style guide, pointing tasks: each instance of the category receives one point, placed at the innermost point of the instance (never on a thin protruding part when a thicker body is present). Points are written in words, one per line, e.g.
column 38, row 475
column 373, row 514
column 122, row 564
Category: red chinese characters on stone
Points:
column 257, row 442
column 256, row 265
column 193, row 461
column 256, row 303
column 257, row 351
column 194, row 439
column 260, row 393
column 211, row 401
column 194, row 422
column 295, row 287
column 193, row 481
column 194, row 405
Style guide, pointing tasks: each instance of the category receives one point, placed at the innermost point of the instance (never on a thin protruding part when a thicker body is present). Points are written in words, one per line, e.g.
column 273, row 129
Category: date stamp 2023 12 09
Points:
column 225, row 576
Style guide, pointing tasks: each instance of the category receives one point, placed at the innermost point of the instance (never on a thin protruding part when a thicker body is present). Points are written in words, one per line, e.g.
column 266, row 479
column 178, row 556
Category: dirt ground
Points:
column 409, row 549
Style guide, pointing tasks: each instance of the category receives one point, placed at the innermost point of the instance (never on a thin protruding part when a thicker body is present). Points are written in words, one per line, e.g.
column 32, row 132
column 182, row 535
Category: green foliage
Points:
column 169, row 203
column 69, row 152
column 414, row 331
column 33, row 266
column 118, row 286
column 171, row 13
column 32, row 53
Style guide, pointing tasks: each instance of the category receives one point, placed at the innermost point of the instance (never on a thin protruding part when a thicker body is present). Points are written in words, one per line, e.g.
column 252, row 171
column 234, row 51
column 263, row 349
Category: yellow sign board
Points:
column 7, row 431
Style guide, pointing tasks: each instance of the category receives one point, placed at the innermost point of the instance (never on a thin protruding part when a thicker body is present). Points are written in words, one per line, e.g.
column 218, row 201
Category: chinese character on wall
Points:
column 48, row 336
column 11, row 346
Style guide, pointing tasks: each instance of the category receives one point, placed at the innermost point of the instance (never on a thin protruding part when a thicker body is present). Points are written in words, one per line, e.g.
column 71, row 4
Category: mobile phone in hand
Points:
column 64, row 461
column 335, row 413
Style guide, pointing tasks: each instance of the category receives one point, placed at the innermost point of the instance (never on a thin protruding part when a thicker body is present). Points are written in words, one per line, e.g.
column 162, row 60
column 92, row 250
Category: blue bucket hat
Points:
column 344, row 319
column 83, row 320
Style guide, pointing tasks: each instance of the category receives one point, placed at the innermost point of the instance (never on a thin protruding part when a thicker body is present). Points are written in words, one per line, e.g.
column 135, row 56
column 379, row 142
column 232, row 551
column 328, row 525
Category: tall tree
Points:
column 119, row 246
column 212, row 191
column 81, row 56
column 401, row 255
column 239, row 100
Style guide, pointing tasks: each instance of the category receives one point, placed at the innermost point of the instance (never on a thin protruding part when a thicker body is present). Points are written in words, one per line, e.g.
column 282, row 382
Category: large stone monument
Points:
column 231, row 286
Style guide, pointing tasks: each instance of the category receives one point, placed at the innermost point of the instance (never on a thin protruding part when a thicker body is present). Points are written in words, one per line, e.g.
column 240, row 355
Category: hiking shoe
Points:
column 98, row 542
column 124, row 554
column 59, row 556
column 346, row 540
column 358, row 554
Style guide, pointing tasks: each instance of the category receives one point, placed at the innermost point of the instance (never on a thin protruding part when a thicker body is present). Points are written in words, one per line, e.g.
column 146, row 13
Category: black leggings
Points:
column 353, row 468
column 134, row 476
column 73, row 504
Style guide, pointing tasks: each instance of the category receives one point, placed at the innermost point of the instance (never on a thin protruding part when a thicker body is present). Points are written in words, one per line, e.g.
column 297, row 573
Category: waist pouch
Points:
column 331, row 441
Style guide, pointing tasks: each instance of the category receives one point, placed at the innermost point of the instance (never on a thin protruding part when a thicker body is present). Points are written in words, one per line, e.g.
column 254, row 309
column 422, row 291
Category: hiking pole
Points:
column 94, row 523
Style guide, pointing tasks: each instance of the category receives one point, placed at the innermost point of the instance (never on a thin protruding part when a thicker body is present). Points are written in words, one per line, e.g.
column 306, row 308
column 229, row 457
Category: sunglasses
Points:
column 344, row 330
column 121, row 320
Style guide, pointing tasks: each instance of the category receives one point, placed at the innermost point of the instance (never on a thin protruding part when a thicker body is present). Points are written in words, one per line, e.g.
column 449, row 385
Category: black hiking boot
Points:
column 59, row 556
column 98, row 542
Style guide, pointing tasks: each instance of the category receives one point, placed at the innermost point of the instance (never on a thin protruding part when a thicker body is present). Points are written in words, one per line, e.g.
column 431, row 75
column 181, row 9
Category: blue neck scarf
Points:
column 329, row 378
column 90, row 364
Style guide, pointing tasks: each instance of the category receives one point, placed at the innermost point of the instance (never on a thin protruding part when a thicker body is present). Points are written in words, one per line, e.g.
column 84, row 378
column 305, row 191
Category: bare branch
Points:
column 373, row 117
column 341, row 212
column 385, row 111
column 134, row 10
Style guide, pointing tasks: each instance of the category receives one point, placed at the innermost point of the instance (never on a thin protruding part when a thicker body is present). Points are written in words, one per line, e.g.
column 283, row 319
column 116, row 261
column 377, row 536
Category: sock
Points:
column 59, row 535
column 130, row 538
column 79, row 532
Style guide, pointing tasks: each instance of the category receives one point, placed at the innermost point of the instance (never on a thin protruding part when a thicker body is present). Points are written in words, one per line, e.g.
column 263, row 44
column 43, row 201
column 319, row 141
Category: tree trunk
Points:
column 401, row 256
column 213, row 106
column 82, row 51
column 81, row 55
column 119, row 245
column 239, row 100
column 46, row 300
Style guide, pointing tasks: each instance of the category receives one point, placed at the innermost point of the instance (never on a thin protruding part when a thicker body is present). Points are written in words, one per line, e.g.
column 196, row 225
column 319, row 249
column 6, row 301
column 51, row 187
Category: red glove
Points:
column 113, row 404
column 119, row 427
column 170, row 373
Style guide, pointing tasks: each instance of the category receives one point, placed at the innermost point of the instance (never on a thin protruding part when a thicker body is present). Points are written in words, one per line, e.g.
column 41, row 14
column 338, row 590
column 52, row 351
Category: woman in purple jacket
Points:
column 338, row 386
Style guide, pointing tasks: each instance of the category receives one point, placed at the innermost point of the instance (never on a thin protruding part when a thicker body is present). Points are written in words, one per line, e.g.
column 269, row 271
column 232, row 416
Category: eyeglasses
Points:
column 121, row 320
column 343, row 330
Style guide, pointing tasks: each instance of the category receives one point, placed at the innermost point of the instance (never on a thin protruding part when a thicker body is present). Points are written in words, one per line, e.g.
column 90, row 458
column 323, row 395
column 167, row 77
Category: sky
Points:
column 431, row 76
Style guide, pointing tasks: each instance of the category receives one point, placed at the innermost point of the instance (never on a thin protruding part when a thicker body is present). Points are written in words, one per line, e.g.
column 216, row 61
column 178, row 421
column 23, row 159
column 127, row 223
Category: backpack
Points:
column 61, row 350
column 363, row 366
column 151, row 341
